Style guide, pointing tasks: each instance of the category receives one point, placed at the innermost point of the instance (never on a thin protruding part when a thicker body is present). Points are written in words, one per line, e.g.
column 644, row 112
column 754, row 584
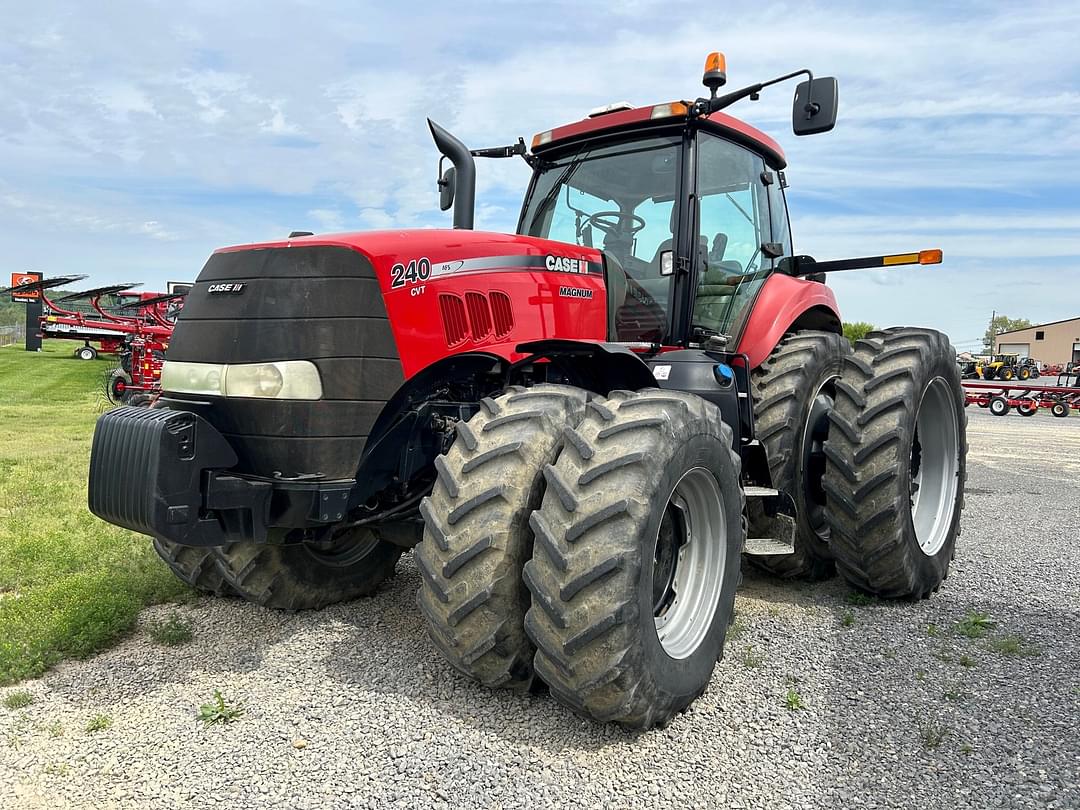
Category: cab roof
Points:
column 661, row 115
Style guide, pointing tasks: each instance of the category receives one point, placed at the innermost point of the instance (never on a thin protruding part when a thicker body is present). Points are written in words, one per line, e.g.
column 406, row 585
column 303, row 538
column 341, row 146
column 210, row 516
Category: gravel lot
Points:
column 352, row 707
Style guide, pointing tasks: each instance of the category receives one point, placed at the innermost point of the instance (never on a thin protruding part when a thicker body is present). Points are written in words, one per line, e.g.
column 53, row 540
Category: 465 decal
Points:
column 415, row 271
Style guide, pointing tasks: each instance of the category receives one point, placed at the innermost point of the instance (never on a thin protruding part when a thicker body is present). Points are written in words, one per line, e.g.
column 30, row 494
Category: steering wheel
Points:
column 601, row 220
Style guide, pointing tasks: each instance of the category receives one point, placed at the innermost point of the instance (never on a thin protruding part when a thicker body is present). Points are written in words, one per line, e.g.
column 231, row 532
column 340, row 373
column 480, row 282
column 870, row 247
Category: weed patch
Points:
column 219, row 711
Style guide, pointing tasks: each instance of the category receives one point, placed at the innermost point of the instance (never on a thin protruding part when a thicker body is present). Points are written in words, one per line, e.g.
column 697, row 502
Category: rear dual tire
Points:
column 793, row 392
column 897, row 463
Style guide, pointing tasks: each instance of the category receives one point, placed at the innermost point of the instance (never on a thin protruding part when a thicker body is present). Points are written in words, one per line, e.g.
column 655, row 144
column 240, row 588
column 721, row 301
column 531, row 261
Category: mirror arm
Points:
column 514, row 150
column 707, row 106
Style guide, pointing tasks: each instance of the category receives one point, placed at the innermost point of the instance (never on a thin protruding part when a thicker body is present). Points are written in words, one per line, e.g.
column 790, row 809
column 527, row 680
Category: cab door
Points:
column 733, row 225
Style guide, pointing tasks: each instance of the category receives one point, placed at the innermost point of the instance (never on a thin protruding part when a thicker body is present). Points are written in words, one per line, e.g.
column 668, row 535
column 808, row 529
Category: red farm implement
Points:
column 1026, row 399
column 139, row 377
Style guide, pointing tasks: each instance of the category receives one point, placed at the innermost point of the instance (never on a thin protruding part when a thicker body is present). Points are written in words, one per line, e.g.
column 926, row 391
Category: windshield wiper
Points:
column 549, row 198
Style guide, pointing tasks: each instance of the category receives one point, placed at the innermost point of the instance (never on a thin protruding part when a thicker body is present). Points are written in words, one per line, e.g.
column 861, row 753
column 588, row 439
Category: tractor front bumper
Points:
column 165, row 473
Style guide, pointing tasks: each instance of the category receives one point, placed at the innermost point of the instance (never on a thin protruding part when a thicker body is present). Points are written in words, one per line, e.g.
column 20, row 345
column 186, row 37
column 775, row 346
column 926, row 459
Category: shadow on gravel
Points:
column 386, row 650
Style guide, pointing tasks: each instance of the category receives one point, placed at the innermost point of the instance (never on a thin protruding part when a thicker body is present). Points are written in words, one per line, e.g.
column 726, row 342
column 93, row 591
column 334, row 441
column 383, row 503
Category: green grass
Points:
column 1012, row 645
column 70, row 584
column 932, row 733
column 847, row 618
column 99, row 722
column 751, row 658
column 737, row 628
column 18, row 699
column 793, row 700
column 860, row 599
column 172, row 632
column 975, row 625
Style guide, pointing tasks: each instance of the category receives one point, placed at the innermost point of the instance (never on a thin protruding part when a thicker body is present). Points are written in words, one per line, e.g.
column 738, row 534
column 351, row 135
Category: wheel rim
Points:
column 689, row 561
column 815, row 432
column 344, row 550
column 934, row 468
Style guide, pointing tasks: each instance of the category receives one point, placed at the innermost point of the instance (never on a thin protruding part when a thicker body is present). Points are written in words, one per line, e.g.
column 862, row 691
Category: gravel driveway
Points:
column 351, row 706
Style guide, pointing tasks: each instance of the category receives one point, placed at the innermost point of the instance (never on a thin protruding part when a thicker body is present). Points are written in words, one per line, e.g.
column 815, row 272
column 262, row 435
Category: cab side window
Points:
column 733, row 222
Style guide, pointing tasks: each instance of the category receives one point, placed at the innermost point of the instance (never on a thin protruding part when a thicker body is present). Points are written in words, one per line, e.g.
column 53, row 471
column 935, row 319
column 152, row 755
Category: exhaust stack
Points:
column 458, row 184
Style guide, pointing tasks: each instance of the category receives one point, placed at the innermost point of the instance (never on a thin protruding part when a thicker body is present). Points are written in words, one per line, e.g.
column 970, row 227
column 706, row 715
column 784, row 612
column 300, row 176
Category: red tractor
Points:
column 578, row 428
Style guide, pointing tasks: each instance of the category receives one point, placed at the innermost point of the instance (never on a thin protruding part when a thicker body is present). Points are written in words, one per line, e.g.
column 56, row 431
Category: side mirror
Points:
column 447, row 188
column 814, row 109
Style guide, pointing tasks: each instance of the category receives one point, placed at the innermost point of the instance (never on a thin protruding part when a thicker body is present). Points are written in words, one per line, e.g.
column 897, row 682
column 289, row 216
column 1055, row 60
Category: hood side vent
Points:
column 503, row 314
column 479, row 315
column 455, row 325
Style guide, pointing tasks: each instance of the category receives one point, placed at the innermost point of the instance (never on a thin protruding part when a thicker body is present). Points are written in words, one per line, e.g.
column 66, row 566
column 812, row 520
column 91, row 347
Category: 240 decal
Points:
column 416, row 271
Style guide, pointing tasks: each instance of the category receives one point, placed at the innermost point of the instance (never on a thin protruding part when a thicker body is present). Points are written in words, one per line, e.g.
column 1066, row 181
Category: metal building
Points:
column 1055, row 342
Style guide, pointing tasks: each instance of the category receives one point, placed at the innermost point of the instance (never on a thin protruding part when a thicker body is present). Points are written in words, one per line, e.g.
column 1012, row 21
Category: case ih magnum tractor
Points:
column 579, row 428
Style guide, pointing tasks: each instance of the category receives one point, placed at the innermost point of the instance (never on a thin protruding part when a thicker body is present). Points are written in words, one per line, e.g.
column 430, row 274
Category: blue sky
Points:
column 137, row 137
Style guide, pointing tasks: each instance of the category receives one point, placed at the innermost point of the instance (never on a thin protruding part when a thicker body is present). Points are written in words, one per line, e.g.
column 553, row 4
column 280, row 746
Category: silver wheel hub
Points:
column 934, row 467
column 689, row 561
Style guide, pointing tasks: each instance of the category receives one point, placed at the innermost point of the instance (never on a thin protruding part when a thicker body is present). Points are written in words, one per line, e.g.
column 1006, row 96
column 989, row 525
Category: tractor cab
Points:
column 662, row 193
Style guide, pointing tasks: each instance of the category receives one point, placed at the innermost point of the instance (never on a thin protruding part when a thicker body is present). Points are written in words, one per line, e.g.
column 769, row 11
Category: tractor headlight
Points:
column 288, row 379
column 192, row 378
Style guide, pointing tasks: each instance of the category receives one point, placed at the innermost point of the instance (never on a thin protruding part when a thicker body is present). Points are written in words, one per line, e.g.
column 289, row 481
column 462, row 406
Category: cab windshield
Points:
column 620, row 199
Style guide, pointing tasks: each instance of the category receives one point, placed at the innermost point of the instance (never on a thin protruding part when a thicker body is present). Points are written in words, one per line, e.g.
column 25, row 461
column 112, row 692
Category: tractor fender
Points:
column 593, row 365
column 785, row 304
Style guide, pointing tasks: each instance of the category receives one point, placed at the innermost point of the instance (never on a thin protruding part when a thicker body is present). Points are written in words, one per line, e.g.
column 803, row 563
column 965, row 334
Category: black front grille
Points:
column 320, row 303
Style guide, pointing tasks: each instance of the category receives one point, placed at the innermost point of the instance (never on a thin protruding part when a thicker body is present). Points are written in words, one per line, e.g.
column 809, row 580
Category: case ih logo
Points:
column 228, row 288
column 560, row 265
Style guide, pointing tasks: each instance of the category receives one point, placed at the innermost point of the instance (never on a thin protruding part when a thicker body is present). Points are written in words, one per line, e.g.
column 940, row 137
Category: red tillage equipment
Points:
column 1027, row 399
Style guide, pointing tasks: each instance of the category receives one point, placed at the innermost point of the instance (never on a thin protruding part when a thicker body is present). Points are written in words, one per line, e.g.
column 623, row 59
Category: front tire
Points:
column 309, row 576
column 477, row 535
column 643, row 509
column 897, row 463
column 793, row 392
column 999, row 406
column 86, row 353
column 196, row 566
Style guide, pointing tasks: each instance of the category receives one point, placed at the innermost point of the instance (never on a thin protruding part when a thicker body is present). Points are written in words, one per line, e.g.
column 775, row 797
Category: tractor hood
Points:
column 369, row 310
column 443, row 291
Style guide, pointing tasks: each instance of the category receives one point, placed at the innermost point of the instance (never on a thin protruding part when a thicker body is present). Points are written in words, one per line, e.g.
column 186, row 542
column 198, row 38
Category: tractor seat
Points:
column 714, row 295
column 615, row 286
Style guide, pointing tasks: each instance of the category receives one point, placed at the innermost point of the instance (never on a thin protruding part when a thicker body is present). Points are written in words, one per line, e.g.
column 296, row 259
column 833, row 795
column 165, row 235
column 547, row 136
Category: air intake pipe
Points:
column 458, row 185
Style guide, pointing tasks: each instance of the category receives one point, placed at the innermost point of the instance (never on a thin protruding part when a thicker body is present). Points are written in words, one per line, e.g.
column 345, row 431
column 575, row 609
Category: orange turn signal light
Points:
column 930, row 256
